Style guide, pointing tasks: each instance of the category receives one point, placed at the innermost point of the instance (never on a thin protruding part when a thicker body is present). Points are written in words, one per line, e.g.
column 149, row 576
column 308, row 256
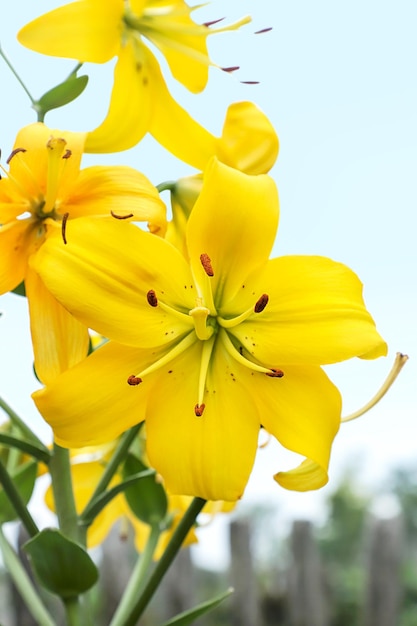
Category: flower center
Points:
column 210, row 328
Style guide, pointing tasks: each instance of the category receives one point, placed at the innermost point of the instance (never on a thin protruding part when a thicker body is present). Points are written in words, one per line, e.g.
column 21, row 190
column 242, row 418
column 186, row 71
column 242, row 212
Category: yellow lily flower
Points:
column 210, row 350
column 95, row 31
column 42, row 189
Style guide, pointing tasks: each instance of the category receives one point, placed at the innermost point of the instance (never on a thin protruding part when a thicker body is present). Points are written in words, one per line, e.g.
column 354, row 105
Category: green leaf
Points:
column 62, row 566
column 62, row 94
column 38, row 452
column 188, row 617
column 147, row 498
column 24, row 478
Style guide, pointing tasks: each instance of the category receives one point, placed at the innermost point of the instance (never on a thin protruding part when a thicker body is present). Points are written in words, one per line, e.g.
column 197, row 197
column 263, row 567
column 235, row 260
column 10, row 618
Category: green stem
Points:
column 118, row 456
column 168, row 185
column 137, row 579
column 16, row 75
column 73, row 612
column 20, row 424
column 60, row 470
column 165, row 561
column 24, row 584
column 17, row 502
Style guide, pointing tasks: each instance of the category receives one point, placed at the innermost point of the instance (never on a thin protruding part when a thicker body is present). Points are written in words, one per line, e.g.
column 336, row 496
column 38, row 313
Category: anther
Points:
column 207, row 24
column 261, row 303
column 67, row 154
column 121, row 217
column 263, row 30
column 229, row 70
column 64, row 227
column 15, row 151
column 134, row 380
column 199, row 409
column 206, row 263
column 274, row 373
column 151, row 298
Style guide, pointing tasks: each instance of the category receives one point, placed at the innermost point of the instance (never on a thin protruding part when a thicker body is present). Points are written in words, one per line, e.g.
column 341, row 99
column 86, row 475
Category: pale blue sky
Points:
column 338, row 81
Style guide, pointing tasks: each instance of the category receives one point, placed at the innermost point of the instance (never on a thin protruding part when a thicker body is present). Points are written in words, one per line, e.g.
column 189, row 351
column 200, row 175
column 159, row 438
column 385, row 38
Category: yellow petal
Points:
column 302, row 410
column 209, row 456
column 87, row 30
column 315, row 314
column 130, row 110
column 103, row 276
column 101, row 190
column 173, row 127
column 247, row 209
column 59, row 340
column 14, row 246
column 306, row 477
column 92, row 403
column 181, row 41
column 249, row 142
column 29, row 166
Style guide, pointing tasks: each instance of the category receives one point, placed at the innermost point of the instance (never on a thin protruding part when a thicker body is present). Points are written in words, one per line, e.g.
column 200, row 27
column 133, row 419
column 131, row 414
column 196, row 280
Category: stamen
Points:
column 199, row 409
column 121, row 217
column 178, row 349
column 249, row 82
column 230, row 349
column 400, row 361
column 263, row 30
column 275, row 373
column 151, row 297
column 15, row 151
column 67, row 154
column 261, row 303
column 204, row 365
column 64, row 227
column 134, row 380
column 206, row 263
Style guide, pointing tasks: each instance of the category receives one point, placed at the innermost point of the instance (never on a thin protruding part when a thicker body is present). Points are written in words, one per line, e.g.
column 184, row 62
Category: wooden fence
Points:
column 302, row 598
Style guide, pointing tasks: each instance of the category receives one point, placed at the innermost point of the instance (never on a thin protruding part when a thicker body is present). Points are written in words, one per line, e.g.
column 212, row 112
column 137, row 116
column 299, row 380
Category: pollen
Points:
column 261, row 303
column 199, row 409
column 275, row 373
column 151, row 298
column 67, row 154
column 134, row 380
column 206, row 263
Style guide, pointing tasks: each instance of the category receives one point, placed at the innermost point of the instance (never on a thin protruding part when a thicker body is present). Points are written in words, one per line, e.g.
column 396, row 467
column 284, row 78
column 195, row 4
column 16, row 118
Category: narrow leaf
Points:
column 38, row 452
column 188, row 617
column 23, row 478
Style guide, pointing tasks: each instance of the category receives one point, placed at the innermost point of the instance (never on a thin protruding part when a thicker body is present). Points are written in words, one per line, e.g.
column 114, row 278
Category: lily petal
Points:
column 92, row 403
column 247, row 209
column 105, row 285
column 59, row 340
column 173, row 127
column 87, row 30
column 302, row 411
column 130, row 110
column 249, row 142
column 101, row 190
column 14, row 240
column 315, row 314
column 306, row 477
column 209, row 456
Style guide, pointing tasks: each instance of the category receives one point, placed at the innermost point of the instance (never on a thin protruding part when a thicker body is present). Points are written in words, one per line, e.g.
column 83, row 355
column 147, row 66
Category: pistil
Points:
column 55, row 148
